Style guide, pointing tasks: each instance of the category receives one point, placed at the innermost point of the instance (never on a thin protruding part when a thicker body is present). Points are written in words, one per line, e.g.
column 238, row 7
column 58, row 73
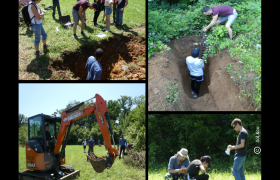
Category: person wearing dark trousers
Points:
column 195, row 66
column 195, row 166
column 122, row 143
column 240, row 150
column 97, row 12
column 114, row 11
column 56, row 5
column 91, row 144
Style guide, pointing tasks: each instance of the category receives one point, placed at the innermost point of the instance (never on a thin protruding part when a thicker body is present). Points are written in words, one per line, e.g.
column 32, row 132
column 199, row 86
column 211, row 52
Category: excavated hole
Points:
column 118, row 51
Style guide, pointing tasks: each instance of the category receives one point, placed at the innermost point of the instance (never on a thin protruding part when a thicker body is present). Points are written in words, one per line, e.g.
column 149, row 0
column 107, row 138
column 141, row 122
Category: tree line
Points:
column 201, row 134
column 124, row 120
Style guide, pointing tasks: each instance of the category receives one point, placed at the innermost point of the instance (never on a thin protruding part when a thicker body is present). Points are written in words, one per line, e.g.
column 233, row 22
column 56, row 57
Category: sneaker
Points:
column 195, row 95
column 46, row 45
column 38, row 53
column 192, row 92
column 75, row 36
column 96, row 25
column 107, row 30
column 82, row 33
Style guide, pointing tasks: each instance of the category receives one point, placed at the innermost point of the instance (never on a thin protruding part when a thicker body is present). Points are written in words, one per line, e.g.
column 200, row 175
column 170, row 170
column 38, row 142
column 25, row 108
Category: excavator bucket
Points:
column 100, row 163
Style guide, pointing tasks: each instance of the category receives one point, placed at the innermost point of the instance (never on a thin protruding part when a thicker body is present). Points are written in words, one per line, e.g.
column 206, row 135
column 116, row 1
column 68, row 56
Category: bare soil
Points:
column 118, row 50
column 217, row 92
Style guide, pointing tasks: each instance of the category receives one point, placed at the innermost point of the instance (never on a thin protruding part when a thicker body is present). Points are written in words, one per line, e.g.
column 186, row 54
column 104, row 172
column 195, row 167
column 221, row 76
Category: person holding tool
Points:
column 79, row 8
column 225, row 12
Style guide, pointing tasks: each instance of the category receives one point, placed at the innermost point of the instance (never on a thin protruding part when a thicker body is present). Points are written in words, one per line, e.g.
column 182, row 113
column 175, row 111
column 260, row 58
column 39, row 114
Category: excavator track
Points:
column 69, row 173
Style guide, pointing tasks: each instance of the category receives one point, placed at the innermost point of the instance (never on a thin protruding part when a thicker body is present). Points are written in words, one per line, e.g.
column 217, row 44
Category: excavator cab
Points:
column 38, row 148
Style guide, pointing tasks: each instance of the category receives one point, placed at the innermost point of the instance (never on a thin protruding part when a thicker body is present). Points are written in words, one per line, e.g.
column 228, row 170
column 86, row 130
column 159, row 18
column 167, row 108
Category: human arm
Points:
column 126, row 3
column 241, row 145
column 35, row 12
column 171, row 166
column 211, row 23
column 80, row 13
column 202, row 169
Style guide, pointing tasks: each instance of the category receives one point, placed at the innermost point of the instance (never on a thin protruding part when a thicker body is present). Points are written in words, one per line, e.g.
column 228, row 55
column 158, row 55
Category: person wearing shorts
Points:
column 195, row 66
column 225, row 12
column 108, row 11
column 78, row 9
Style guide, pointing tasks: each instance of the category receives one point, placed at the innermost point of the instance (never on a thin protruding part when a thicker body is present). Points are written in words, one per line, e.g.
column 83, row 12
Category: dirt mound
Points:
column 118, row 51
column 217, row 91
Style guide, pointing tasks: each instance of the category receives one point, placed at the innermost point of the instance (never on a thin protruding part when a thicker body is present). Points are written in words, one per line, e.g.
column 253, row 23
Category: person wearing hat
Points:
column 195, row 66
column 240, row 149
column 177, row 163
column 195, row 166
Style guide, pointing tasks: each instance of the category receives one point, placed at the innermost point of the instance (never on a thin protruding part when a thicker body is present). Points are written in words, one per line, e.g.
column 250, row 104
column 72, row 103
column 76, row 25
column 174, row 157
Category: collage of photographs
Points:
column 200, row 71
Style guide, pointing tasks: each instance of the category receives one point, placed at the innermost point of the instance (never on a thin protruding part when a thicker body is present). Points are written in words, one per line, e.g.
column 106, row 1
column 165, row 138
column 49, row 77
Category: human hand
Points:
column 121, row 9
column 205, row 29
column 230, row 147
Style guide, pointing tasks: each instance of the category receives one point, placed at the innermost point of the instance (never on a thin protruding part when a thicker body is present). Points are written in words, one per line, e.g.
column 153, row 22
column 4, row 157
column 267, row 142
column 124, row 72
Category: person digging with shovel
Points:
column 225, row 12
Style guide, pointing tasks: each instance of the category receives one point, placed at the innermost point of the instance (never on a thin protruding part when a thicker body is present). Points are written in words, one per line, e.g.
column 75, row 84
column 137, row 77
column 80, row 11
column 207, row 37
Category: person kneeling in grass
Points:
column 177, row 163
column 225, row 12
column 195, row 166
column 93, row 65
column 79, row 8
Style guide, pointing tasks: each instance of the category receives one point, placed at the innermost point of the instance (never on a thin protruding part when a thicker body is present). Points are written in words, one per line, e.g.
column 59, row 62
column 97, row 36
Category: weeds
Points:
column 172, row 92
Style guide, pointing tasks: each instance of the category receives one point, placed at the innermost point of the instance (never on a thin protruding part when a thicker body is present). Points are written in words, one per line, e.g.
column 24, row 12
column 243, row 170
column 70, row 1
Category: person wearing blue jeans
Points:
column 225, row 12
column 56, row 5
column 36, row 16
column 120, row 9
column 240, row 150
column 91, row 145
column 122, row 143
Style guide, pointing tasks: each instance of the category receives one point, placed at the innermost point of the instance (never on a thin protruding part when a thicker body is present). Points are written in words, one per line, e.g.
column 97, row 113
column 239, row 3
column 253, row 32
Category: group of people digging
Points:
column 180, row 167
column 93, row 65
column 195, row 65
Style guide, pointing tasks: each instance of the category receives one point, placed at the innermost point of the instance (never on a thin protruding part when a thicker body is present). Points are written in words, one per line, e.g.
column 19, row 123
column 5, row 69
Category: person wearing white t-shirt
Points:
column 36, row 25
column 85, row 145
column 195, row 66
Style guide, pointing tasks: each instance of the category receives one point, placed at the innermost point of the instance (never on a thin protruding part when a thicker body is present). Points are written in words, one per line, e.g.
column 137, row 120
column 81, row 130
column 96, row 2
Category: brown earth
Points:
column 118, row 50
column 217, row 92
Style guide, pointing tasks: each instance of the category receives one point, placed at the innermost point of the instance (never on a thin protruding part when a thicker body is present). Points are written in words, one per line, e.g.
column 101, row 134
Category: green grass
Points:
column 134, row 16
column 76, row 158
column 216, row 172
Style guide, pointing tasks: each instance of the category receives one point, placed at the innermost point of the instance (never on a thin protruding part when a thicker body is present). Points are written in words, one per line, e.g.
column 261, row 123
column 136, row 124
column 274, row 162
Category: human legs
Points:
column 76, row 20
column 195, row 83
column 238, row 167
column 117, row 17
column 90, row 149
column 203, row 176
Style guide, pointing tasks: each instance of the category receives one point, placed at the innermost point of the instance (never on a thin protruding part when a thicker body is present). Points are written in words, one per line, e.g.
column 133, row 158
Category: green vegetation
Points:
column 201, row 134
column 218, row 171
column 185, row 18
column 134, row 16
column 172, row 92
column 76, row 158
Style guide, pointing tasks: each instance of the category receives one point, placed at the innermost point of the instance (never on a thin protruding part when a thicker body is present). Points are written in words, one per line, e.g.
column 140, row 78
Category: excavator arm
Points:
column 99, row 108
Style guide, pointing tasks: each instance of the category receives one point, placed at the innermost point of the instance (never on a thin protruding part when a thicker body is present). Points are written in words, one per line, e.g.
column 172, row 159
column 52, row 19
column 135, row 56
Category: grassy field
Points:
column 133, row 23
column 216, row 172
column 76, row 158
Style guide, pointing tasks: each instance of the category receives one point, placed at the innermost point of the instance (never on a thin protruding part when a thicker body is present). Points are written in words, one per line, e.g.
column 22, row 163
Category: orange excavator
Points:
column 45, row 159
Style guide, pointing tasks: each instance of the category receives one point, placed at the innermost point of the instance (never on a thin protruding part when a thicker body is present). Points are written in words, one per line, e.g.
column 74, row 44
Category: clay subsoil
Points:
column 118, row 50
column 217, row 92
